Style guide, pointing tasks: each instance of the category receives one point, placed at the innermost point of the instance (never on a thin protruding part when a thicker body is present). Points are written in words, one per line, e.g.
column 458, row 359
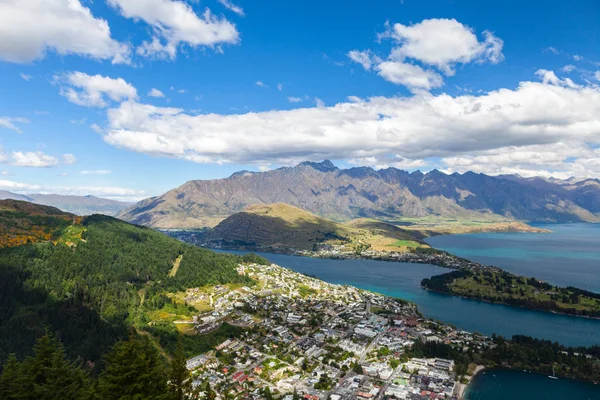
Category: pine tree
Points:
column 180, row 382
column 11, row 380
column 46, row 375
column 133, row 370
column 295, row 396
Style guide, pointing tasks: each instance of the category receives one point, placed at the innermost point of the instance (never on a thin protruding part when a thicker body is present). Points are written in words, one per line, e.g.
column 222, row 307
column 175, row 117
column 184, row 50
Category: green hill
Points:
column 285, row 226
column 95, row 279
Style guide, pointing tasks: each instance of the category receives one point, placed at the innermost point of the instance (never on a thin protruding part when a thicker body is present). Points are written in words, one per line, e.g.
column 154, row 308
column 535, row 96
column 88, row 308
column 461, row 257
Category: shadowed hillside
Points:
column 282, row 225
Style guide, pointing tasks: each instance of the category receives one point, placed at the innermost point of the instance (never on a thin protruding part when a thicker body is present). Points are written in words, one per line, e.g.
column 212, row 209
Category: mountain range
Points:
column 386, row 194
column 79, row 205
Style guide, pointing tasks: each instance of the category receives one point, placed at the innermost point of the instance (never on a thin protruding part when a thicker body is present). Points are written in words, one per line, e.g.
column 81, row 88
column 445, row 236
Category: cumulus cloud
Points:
column 175, row 23
column 69, row 159
column 412, row 76
column 155, row 93
column 26, row 77
column 29, row 29
column 93, row 90
column 35, row 159
column 230, row 6
column 260, row 83
column 416, row 128
column 292, row 99
column 9, row 123
column 438, row 44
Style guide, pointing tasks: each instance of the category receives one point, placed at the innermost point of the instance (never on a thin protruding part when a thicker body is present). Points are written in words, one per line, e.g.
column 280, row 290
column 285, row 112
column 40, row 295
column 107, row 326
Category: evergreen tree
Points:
column 295, row 396
column 46, row 375
column 133, row 370
column 180, row 382
column 11, row 380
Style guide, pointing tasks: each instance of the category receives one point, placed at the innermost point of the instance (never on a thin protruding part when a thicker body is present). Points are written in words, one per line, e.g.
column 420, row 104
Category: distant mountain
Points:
column 386, row 194
column 284, row 226
column 80, row 205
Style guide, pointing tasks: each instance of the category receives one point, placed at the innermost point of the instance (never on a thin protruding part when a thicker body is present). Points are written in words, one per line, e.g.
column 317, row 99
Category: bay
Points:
column 519, row 385
column 402, row 280
column 569, row 256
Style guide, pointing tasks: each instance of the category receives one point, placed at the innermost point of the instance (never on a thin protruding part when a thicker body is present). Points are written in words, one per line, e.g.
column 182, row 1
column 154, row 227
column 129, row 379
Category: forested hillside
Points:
column 95, row 281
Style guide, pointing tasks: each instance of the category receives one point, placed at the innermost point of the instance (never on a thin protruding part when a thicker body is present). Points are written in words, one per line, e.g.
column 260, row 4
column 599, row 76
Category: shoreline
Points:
column 462, row 387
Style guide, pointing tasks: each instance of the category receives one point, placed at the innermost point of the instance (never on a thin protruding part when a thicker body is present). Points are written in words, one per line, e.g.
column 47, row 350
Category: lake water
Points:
column 569, row 256
column 519, row 385
column 403, row 280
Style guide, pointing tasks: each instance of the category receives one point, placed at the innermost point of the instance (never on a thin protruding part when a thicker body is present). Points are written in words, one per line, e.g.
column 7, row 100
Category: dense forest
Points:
column 504, row 287
column 90, row 290
column 132, row 369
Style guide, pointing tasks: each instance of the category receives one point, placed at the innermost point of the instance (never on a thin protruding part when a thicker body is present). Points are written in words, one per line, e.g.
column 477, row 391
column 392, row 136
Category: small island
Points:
column 497, row 286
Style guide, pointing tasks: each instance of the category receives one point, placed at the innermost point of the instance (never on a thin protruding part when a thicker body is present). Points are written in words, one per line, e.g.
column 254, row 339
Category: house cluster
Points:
column 308, row 339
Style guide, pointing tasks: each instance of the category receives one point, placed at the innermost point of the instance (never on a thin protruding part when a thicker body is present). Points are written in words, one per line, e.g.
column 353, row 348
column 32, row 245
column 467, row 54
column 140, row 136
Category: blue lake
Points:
column 403, row 280
column 519, row 385
column 569, row 256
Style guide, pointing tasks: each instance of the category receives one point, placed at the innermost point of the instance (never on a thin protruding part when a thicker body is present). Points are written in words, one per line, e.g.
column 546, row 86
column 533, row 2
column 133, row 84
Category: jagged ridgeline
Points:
column 89, row 280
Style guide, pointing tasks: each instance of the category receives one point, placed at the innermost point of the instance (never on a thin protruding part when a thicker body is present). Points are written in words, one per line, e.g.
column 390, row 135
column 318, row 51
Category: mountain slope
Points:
column 387, row 194
column 22, row 222
column 284, row 226
column 79, row 205
column 90, row 288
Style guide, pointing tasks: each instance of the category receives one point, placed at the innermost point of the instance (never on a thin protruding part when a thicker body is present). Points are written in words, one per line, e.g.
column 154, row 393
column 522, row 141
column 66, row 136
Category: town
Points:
column 305, row 338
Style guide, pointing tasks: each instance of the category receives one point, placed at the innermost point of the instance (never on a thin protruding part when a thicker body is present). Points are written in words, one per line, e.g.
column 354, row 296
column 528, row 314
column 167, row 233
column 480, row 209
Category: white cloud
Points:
column 280, row 86
column 111, row 192
column 35, row 159
column 295, row 99
column 366, row 58
column 443, row 43
column 261, row 84
column 5, row 173
column 319, row 103
column 175, row 23
column 409, row 75
column 155, row 93
column 420, row 127
column 9, row 123
column 229, row 5
column 597, row 75
column 96, row 128
column 96, row 172
column 577, row 57
column 93, row 90
column 432, row 43
column 551, row 78
column 31, row 28
column 69, row 159
column 26, row 77
column 568, row 68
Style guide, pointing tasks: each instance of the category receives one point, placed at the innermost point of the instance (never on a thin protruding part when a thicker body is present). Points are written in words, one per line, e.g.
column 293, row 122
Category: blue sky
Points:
column 508, row 87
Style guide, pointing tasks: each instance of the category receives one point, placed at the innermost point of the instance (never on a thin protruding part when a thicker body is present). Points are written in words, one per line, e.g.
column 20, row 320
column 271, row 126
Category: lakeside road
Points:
column 461, row 388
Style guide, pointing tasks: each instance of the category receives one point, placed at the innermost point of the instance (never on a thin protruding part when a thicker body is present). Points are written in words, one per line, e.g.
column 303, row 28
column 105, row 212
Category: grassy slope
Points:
column 288, row 226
